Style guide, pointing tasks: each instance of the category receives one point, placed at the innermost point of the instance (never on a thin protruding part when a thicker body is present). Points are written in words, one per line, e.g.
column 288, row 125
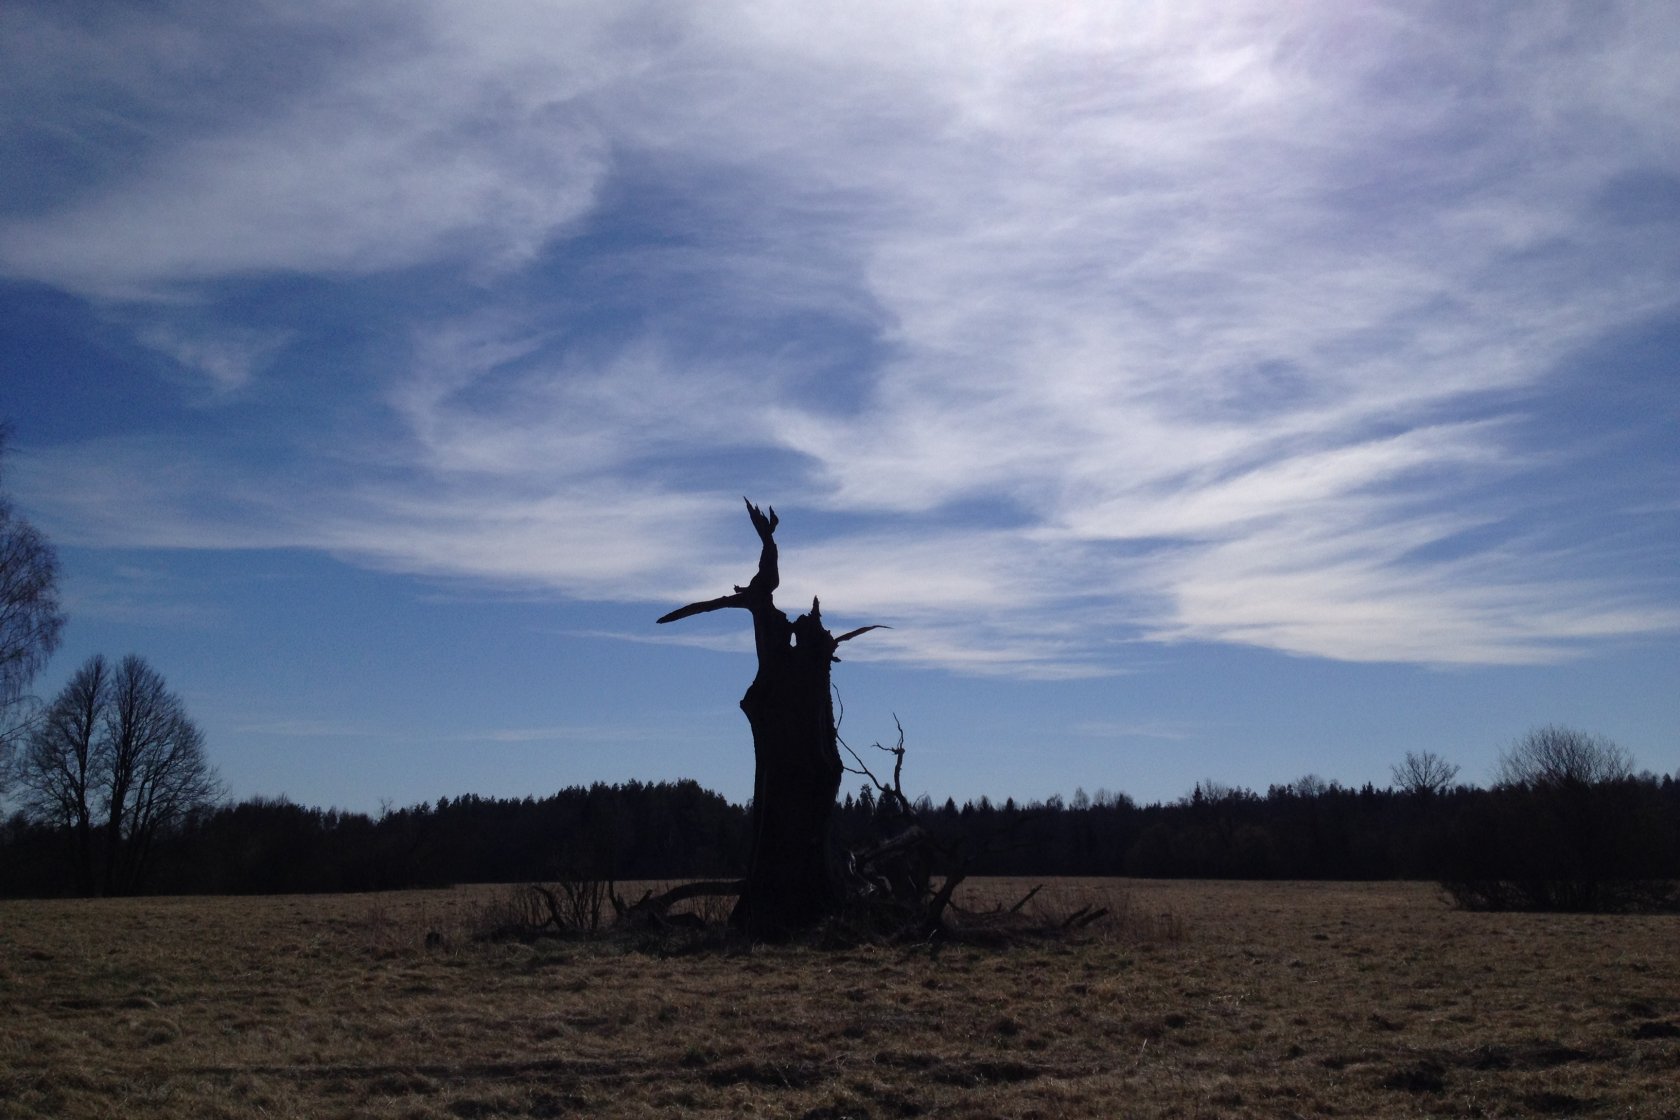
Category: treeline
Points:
column 1628, row 829
column 1558, row 846
column 272, row 846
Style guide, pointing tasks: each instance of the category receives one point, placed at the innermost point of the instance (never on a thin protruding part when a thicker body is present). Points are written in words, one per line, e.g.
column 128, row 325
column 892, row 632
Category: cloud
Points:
column 221, row 362
column 413, row 140
column 1054, row 331
column 137, row 595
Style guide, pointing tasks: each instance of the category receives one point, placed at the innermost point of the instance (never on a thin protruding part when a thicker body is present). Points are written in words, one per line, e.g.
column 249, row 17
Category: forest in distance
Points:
column 1604, row 845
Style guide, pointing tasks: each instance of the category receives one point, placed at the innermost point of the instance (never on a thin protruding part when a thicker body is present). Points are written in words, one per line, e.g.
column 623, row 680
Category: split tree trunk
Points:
column 792, row 878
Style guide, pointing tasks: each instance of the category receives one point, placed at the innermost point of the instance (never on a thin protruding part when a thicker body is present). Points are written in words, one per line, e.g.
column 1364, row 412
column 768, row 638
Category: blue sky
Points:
column 1230, row 391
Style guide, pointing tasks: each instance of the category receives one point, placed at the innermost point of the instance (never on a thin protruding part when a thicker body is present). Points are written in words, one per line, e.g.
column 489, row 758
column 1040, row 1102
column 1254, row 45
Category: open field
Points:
column 1262, row 999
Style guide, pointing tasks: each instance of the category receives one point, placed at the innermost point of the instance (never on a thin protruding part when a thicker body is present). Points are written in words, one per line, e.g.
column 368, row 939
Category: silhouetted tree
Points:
column 155, row 769
column 792, row 874
column 116, row 761
column 60, row 771
column 1554, row 757
column 1423, row 774
column 30, row 621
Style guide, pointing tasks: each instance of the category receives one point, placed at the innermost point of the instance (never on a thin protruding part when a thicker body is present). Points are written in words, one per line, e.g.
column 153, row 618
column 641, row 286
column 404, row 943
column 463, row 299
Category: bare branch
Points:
column 897, row 751
column 1024, row 899
column 850, row 634
column 756, row 596
column 768, row 576
column 703, row 888
column 739, row 599
column 1084, row 916
column 942, row 900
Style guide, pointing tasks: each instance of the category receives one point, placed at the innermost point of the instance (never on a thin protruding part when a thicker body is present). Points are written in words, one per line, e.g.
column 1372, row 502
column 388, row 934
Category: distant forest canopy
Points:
column 1626, row 829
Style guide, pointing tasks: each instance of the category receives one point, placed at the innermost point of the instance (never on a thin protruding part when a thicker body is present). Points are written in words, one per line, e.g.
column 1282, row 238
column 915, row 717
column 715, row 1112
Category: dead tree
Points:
column 893, row 876
column 793, row 879
column 892, row 892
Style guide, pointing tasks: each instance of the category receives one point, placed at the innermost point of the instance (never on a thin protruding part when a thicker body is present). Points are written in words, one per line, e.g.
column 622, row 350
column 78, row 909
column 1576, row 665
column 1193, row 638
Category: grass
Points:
column 1194, row 999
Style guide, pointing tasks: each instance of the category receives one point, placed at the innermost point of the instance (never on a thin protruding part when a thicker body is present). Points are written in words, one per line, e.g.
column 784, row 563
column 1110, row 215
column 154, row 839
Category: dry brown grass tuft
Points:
column 1191, row 999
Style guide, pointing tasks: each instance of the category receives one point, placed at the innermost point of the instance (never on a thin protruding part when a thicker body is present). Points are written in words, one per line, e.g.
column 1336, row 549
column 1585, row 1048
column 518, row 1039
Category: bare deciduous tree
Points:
column 1569, row 829
column 155, row 773
column 1423, row 774
column 115, row 761
column 61, row 762
column 1553, row 757
column 30, row 621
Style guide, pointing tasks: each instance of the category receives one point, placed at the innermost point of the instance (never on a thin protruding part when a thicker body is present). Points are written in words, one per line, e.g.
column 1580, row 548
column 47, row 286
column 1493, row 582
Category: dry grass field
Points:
column 1265, row 999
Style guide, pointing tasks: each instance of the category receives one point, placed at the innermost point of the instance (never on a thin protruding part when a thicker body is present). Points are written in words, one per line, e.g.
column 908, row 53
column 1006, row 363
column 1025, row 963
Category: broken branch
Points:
column 739, row 599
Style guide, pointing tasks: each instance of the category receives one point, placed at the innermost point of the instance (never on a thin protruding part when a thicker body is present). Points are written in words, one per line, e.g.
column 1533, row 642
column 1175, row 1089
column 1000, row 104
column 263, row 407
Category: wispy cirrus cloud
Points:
column 407, row 136
column 221, row 362
column 1061, row 330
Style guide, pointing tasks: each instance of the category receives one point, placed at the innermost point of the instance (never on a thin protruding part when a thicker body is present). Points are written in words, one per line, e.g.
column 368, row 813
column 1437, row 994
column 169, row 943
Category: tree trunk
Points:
column 792, row 880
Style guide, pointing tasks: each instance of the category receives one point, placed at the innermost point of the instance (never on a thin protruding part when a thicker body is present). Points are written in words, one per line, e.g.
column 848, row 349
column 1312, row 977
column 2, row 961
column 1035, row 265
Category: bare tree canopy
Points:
column 1423, row 774
column 1566, row 827
column 1554, row 756
column 115, row 760
column 30, row 618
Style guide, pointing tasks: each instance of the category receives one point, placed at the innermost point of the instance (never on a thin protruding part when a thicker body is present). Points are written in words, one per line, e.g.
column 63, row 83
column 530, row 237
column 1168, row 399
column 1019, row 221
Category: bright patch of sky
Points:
column 1225, row 391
